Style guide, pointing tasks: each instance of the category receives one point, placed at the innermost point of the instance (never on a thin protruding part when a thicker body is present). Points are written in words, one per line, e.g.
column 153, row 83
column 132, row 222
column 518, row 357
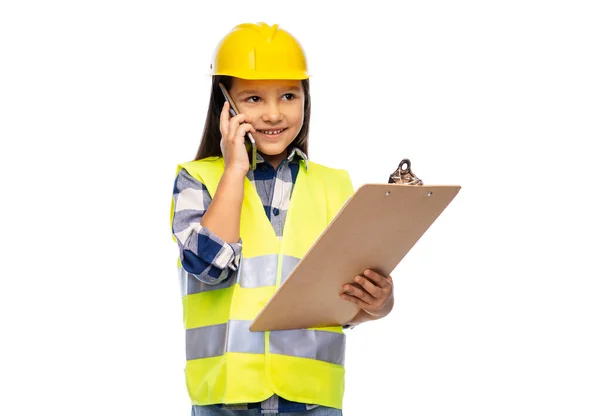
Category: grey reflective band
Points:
column 258, row 271
column 318, row 345
column 190, row 284
column 287, row 265
column 235, row 336
column 252, row 272
column 215, row 340
column 207, row 341
column 240, row 338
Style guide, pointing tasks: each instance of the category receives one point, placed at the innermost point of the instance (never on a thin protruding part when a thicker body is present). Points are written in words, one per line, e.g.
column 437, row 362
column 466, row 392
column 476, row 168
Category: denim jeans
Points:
column 217, row 411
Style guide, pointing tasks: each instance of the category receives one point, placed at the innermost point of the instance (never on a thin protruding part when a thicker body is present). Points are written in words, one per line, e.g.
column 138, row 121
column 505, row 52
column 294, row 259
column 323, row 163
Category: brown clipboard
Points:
column 375, row 229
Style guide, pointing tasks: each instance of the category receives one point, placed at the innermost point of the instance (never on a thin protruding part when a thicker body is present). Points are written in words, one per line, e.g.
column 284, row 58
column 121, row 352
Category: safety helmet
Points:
column 259, row 51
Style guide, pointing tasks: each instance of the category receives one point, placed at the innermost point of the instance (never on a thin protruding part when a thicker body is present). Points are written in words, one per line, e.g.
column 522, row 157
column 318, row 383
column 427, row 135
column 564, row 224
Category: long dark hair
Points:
column 210, row 145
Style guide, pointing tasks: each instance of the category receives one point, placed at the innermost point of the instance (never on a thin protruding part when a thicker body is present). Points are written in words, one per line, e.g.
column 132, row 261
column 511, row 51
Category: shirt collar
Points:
column 295, row 155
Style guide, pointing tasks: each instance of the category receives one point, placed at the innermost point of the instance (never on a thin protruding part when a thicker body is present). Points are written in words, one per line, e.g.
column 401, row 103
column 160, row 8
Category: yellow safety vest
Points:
column 226, row 363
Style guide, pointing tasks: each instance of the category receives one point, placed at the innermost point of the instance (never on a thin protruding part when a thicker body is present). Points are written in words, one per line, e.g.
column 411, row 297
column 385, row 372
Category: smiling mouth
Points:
column 272, row 132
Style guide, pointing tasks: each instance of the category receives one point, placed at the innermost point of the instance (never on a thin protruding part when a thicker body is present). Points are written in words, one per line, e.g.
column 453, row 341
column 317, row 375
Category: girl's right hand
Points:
column 233, row 130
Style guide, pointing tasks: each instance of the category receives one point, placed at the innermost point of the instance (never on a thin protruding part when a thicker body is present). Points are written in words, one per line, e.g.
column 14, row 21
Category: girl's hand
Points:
column 233, row 130
column 372, row 292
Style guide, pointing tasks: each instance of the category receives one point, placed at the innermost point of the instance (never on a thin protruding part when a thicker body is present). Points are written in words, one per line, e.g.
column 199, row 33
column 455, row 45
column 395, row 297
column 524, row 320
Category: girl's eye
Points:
column 253, row 99
column 289, row 96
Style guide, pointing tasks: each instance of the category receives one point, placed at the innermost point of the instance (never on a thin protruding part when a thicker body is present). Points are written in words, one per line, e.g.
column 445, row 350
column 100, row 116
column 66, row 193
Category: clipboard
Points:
column 375, row 228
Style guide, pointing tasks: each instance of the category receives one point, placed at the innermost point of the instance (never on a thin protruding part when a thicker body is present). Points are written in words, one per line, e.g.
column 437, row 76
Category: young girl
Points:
column 242, row 231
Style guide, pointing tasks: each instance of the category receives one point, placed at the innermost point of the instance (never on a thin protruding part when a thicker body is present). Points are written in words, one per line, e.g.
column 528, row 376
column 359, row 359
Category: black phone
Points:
column 249, row 141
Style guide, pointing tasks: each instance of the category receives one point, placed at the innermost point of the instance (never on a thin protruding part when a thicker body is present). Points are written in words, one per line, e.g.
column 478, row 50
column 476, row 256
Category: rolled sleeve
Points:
column 202, row 253
column 223, row 254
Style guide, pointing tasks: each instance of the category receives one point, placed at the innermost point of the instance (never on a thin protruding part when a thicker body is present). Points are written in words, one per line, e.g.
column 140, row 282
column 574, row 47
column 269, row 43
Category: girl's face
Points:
column 276, row 111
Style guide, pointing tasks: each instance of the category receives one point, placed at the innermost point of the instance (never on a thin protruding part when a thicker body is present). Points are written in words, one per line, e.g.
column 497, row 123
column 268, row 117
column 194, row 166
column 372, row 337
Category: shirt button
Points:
column 275, row 211
column 264, row 168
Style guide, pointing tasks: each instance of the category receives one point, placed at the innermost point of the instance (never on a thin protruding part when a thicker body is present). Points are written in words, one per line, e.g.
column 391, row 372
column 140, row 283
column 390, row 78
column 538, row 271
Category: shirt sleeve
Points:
column 204, row 254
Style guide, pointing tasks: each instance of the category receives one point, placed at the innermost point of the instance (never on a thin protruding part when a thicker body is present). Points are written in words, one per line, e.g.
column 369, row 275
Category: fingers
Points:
column 224, row 122
column 378, row 279
column 361, row 304
column 372, row 289
column 358, row 292
column 233, row 129
column 230, row 126
column 238, row 131
column 371, row 292
column 235, row 123
column 374, row 283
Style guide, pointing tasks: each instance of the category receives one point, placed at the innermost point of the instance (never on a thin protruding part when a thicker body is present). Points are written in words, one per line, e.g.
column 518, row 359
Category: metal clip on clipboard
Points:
column 403, row 175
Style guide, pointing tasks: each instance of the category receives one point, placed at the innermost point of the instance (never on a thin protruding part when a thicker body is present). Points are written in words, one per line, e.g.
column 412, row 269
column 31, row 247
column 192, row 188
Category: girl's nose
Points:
column 272, row 113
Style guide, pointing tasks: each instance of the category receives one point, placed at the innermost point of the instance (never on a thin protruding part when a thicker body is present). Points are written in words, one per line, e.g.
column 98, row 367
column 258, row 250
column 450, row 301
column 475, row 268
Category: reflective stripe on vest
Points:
column 234, row 336
column 304, row 365
column 253, row 272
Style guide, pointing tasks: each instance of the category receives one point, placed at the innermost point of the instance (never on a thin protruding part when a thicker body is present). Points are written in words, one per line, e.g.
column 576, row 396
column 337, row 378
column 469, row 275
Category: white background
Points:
column 497, row 306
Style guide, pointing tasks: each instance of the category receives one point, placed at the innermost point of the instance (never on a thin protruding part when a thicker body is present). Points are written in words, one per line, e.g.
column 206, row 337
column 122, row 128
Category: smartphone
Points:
column 249, row 141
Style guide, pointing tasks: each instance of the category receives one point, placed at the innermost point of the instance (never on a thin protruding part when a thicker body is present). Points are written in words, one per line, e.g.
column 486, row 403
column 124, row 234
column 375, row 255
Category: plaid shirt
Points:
column 211, row 259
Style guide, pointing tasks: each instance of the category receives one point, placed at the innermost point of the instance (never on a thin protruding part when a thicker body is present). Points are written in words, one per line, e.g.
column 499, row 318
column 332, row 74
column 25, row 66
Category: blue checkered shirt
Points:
column 211, row 259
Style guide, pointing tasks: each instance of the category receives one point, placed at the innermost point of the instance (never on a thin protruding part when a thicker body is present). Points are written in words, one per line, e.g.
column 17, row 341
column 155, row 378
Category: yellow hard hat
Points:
column 259, row 51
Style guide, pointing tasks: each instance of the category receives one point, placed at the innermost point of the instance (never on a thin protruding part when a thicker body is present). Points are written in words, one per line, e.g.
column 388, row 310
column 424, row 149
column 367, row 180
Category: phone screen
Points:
column 248, row 139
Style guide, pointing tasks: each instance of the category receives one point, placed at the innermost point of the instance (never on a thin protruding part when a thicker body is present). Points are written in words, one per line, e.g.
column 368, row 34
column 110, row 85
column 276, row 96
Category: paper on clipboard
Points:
column 375, row 229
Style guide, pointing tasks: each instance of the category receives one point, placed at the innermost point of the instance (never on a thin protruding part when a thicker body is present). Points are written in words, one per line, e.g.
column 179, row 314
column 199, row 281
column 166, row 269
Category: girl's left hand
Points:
column 372, row 292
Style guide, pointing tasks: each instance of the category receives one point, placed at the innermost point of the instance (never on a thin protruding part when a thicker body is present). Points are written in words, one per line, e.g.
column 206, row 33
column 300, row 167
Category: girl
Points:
column 242, row 231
